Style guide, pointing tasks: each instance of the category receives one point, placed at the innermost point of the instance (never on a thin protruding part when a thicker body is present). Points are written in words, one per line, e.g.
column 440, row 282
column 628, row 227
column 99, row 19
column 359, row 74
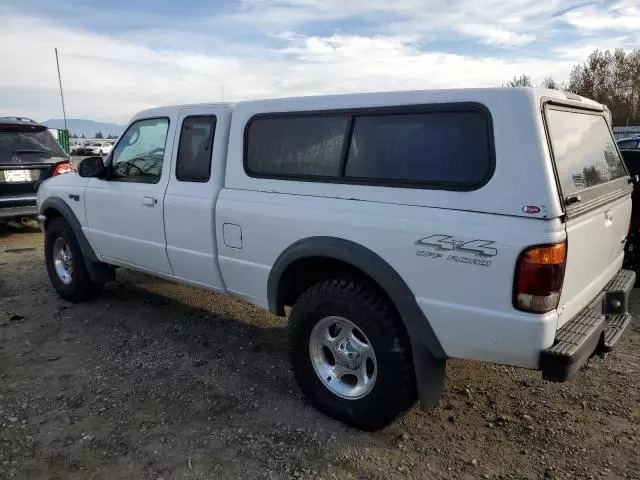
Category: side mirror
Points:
column 92, row 167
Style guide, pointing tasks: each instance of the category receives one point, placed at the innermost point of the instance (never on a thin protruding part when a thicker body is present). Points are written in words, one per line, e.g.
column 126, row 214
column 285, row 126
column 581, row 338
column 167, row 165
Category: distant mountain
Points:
column 88, row 128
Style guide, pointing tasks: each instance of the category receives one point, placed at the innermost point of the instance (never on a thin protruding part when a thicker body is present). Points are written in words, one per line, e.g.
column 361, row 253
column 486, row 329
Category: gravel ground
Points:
column 154, row 380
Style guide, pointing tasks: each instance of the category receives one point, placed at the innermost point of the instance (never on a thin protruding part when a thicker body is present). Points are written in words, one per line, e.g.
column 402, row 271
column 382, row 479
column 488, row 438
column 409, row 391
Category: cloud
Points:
column 622, row 16
column 497, row 36
column 109, row 79
column 416, row 17
column 276, row 48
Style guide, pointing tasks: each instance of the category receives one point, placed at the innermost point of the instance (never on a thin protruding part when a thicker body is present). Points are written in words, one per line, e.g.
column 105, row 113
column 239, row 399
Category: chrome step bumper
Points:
column 597, row 328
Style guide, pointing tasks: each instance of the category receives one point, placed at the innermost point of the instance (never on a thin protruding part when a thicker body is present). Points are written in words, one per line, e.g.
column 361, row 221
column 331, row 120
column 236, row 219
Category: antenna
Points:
column 64, row 113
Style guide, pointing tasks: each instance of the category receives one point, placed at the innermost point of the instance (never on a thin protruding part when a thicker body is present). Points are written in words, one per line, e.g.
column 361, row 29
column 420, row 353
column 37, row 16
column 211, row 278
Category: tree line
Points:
column 96, row 135
column 611, row 78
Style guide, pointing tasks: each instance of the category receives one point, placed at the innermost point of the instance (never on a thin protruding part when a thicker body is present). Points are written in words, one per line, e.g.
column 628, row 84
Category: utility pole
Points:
column 64, row 113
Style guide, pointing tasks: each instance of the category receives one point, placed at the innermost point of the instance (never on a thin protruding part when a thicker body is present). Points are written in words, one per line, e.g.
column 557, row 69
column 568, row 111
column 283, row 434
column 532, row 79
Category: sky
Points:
column 121, row 56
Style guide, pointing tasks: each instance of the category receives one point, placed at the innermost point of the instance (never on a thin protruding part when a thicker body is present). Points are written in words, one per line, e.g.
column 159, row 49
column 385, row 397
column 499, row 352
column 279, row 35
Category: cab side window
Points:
column 195, row 148
column 139, row 154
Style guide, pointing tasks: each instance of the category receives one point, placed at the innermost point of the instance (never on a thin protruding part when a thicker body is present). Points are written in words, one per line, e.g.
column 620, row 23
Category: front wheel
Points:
column 350, row 354
column 65, row 263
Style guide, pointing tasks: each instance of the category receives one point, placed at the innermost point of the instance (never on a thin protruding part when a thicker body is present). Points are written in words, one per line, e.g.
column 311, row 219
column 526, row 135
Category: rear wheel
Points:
column 350, row 354
column 65, row 263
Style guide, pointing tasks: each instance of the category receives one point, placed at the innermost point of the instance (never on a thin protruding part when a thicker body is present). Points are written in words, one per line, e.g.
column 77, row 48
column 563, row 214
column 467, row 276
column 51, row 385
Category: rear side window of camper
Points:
column 440, row 148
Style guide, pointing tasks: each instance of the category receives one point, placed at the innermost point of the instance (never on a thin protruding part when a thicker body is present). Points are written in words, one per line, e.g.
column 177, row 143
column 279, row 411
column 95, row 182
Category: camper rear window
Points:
column 584, row 150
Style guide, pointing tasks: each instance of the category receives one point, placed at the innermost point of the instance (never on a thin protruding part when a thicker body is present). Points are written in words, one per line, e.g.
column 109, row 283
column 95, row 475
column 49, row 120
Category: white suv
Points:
column 101, row 148
column 403, row 229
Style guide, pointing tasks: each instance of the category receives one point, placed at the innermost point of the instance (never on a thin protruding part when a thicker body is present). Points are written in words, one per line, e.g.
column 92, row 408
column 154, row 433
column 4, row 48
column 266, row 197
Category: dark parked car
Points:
column 29, row 154
column 631, row 158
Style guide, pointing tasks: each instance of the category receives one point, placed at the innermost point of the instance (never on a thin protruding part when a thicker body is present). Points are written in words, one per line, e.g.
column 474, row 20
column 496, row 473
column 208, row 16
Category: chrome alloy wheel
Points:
column 62, row 261
column 343, row 357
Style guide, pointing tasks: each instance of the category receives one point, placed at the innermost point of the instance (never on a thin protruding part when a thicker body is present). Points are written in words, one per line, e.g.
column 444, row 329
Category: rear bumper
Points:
column 18, row 206
column 597, row 328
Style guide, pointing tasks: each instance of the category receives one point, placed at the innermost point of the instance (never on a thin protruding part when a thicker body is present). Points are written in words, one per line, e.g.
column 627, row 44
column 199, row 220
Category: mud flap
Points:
column 430, row 372
column 99, row 272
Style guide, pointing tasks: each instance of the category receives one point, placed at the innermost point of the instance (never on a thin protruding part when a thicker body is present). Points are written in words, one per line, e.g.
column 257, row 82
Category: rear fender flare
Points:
column 428, row 355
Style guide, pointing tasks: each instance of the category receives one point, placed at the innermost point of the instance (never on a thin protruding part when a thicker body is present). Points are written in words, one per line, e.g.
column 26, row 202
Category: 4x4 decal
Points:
column 481, row 249
column 447, row 242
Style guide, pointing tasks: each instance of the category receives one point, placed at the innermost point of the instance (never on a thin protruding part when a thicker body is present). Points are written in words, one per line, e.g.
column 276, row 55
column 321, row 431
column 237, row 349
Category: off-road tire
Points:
column 394, row 391
column 81, row 287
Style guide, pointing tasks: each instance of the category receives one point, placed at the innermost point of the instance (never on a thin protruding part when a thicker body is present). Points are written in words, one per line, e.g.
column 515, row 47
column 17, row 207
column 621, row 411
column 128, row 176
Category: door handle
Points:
column 149, row 201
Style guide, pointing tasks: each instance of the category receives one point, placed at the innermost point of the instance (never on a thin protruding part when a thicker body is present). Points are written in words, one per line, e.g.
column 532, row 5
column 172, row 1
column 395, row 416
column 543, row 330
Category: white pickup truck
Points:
column 403, row 229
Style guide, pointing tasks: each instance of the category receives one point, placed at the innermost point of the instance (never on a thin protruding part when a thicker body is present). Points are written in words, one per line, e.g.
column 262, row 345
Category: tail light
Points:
column 539, row 277
column 64, row 167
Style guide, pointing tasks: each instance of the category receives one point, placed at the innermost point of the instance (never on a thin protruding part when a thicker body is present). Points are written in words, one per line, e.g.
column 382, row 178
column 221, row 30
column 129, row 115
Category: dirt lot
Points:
column 155, row 380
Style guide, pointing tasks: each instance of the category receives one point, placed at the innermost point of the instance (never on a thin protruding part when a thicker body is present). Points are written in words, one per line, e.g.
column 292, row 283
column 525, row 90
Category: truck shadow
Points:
column 196, row 359
column 210, row 328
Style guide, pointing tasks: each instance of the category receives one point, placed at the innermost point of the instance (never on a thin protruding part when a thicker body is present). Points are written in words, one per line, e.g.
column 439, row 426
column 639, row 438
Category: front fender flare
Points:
column 98, row 271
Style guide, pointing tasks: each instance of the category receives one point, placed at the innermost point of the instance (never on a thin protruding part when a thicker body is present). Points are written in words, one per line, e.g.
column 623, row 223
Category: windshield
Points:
column 584, row 150
column 23, row 144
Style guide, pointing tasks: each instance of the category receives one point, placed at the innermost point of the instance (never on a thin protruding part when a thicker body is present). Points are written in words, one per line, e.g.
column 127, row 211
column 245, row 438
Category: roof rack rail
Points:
column 19, row 119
